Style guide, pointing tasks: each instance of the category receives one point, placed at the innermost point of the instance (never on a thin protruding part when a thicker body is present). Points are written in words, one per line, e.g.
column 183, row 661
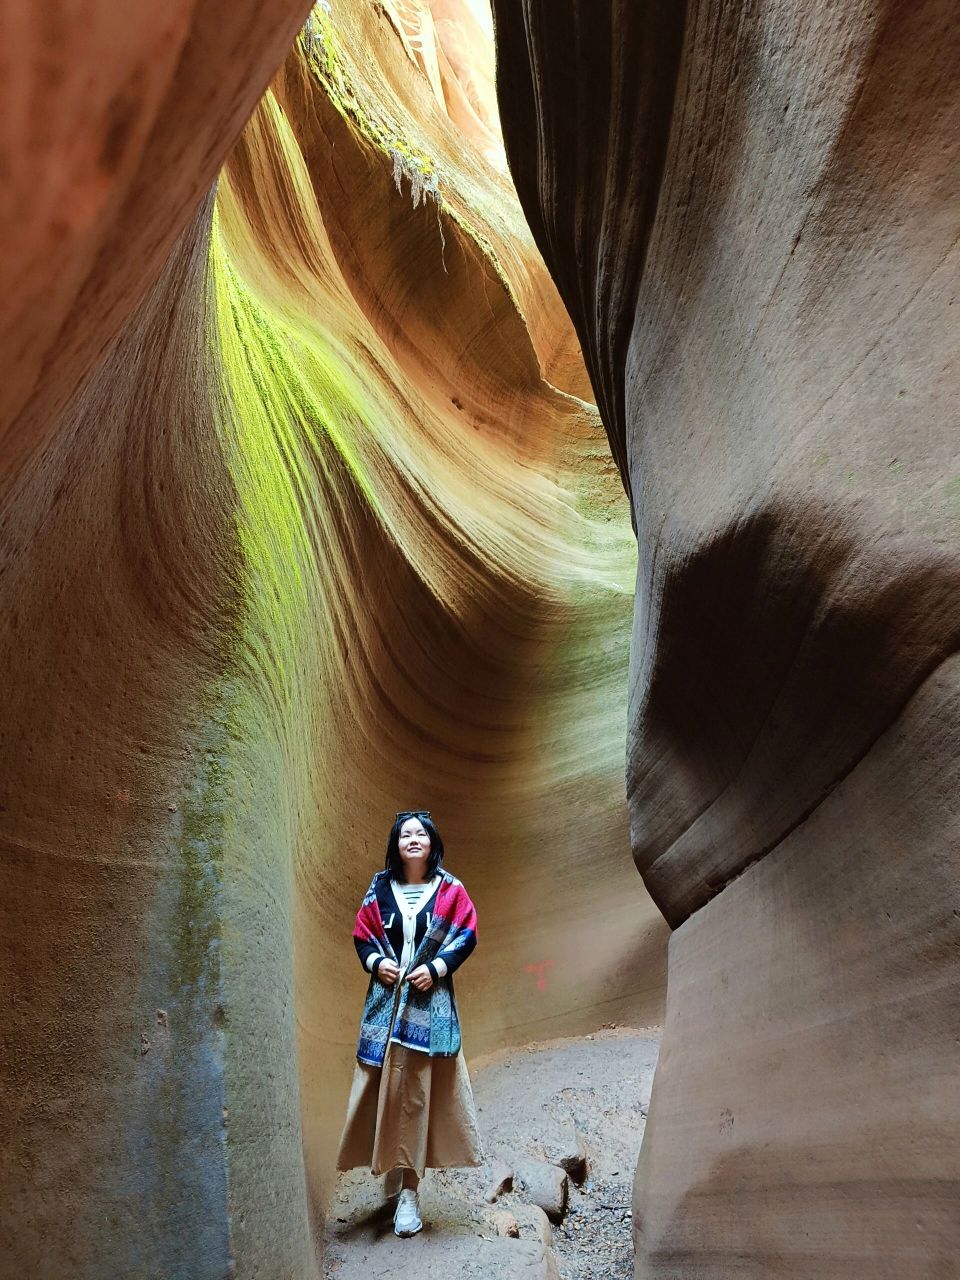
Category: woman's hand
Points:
column 387, row 972
column 421, row 978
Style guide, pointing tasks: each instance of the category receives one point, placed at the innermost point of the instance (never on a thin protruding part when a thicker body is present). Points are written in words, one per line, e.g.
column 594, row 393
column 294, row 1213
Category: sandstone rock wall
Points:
column 119, row 565
column 306, row 516
column 750, row 213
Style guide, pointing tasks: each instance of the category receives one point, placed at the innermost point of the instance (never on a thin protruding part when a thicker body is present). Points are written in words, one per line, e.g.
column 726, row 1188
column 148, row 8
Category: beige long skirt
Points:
column 414, row 1112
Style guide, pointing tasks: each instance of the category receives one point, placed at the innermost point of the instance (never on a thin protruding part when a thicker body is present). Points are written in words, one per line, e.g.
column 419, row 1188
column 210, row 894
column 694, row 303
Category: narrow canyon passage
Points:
column 331, row 528
column 393, row 416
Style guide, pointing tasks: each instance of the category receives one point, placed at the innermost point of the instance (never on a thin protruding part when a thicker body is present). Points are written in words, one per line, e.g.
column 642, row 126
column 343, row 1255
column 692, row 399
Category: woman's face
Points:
column 414, row 848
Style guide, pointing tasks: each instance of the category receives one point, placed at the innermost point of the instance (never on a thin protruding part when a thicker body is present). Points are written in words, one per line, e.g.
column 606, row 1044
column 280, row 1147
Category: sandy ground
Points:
column 528, row 1102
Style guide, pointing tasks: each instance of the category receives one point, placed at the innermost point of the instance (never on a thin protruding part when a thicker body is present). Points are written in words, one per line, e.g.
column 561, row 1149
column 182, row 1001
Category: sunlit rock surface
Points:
column 751, row 214
column 307, row 515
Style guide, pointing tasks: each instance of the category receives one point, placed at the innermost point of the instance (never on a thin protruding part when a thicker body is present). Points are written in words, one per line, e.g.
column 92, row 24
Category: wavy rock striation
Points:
column 307, row 514
column 751, row 217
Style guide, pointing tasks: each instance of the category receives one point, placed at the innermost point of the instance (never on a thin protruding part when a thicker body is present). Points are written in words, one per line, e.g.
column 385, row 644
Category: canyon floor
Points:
column 529, row 1103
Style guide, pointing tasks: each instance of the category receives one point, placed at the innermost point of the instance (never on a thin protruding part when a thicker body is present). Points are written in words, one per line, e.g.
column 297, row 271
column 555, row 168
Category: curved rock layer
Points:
column 308, row 515
column 751, row 215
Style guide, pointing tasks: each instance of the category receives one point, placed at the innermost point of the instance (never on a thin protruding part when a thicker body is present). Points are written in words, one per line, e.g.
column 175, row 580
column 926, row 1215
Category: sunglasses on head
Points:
column 412, row 813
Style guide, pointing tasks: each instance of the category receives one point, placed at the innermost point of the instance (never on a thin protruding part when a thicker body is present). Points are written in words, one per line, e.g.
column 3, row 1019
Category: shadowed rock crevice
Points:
column 593, row 175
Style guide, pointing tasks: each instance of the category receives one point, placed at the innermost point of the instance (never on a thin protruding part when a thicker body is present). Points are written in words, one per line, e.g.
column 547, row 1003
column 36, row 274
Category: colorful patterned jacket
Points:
column 424, row 1020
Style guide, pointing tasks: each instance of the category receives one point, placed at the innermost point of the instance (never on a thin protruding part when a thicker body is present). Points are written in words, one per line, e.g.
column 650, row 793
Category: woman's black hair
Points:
column 394, row 863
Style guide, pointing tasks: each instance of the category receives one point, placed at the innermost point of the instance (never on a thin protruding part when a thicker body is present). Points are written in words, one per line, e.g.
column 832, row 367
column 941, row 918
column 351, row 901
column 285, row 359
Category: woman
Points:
column 411, row 1105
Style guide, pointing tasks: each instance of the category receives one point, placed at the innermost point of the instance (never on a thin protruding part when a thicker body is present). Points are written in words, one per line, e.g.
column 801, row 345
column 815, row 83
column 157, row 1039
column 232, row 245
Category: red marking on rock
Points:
column 540, row 968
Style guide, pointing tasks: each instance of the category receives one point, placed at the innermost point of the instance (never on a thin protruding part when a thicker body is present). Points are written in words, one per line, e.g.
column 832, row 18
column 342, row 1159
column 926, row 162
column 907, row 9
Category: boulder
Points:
column 545, row 1185
column 533, row 1221
column 501, row 1179
column 505, row 1223
column 567, row 1149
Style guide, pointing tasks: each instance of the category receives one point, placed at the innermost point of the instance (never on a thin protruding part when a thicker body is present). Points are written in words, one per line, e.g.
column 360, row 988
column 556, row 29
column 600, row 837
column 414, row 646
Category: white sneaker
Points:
column 406, row 1220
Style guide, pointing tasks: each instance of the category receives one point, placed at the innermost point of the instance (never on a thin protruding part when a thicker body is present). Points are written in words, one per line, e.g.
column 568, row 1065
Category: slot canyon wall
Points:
column 306, row 514
column 751, row 213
